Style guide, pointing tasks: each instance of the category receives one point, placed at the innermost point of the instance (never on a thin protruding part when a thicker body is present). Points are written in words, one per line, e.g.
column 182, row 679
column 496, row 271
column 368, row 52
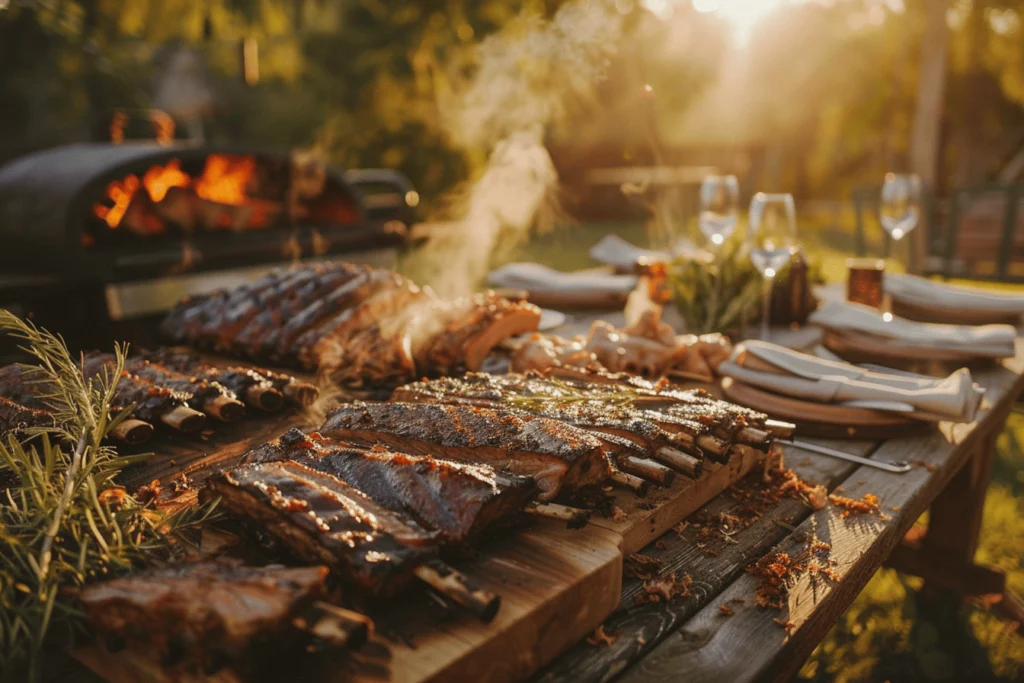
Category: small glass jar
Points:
column 865, row 282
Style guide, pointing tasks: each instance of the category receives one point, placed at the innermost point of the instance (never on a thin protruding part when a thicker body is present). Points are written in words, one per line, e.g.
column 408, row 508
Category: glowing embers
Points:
column 120, row 193
column 159, row 179
column 221, row 198
column 225, row 179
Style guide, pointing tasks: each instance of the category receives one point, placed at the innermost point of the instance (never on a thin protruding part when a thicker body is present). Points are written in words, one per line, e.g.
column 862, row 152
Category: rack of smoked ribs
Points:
column 357, row 325
column 383, row 494
column 166, row 387
column 202, row 617
column 433, row 468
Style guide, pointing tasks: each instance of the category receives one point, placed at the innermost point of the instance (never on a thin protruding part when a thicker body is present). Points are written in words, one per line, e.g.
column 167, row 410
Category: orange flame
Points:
column 159, row 179
column 120, row 192
column 117, row 124
column 225, row 179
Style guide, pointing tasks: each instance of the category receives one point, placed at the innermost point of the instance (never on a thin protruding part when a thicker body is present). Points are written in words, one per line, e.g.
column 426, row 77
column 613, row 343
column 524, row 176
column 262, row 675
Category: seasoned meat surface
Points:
column 323, row 519
column 458, row 500
column 555, row 454
column 203, row 613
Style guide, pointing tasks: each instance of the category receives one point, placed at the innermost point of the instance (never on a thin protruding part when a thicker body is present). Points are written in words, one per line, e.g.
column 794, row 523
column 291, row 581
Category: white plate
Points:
column 550, row 319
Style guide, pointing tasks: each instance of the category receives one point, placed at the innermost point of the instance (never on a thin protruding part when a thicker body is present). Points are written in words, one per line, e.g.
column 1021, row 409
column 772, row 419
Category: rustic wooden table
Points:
column 692, row 639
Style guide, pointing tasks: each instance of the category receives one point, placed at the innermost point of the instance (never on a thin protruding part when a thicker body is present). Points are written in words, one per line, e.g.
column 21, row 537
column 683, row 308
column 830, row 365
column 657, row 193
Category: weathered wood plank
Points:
column 641, row 627
column 556, row 584
column 707, row 647
column 648, row 518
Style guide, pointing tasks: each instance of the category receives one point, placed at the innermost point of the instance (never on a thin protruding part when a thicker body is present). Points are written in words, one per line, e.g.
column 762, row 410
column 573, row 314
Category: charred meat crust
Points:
column 203, row 612
column 323, row 519
column 243, row 378
column 457, row 500
column 15, row 417
column 352, row 323
column 555, row 454
column 149, row 400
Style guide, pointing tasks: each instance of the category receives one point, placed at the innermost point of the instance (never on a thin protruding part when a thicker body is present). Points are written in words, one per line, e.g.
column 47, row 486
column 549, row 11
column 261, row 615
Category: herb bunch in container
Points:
column 720, row 292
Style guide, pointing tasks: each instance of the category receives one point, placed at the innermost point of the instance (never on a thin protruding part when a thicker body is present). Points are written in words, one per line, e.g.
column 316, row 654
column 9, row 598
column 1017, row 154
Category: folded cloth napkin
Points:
column 615, row 251
column 925, row 293
column 799, row 375
column 536, row 278
column 980, row 341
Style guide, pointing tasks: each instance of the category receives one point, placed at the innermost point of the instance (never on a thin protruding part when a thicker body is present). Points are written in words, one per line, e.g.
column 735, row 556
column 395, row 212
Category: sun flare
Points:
column 741, row 15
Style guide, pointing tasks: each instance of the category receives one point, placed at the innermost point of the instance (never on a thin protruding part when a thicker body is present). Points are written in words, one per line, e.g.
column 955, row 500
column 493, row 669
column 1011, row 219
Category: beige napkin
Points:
column 535, row 278
column 853, row 320
column 925, row 293
column 615, row 251
column 799, row 375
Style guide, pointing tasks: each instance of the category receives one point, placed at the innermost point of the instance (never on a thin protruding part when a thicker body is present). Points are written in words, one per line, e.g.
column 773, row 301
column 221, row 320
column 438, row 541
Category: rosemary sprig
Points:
column 566, row 394
column 63, row 521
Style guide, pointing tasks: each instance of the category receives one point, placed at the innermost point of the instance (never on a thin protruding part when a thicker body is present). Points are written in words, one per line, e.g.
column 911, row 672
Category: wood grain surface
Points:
column 557, row 585
column 706, row 645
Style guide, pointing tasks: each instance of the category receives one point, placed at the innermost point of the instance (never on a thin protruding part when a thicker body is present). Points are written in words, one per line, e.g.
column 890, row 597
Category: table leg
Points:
column 944, row 558
column 954, row 521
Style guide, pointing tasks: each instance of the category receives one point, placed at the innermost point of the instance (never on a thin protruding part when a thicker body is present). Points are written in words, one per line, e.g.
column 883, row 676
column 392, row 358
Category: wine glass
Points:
column 719, row 207
column 771, row 239
column 900, row 205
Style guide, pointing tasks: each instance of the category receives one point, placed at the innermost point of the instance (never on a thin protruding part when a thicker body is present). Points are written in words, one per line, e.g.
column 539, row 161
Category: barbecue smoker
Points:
column 101, row 239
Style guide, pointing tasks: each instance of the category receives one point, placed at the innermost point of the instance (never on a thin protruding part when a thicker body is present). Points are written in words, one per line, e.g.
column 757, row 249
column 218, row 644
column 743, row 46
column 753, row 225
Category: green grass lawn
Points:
column 889, row 633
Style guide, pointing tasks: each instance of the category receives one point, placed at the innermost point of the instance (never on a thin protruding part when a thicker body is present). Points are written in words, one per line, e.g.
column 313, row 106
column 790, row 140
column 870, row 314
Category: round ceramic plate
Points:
column 913, row 311
column 864, row 348
column 802, row 412
column 550, row 319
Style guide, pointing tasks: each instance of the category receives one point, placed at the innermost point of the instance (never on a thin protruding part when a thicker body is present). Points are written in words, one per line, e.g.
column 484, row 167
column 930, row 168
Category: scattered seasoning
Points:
column 601, row 638
column 660, row 544
column 927, row 465
column 787, row 626
column 113, row 497
column 792, row 485
column 148, row 493
column 777, row 572
column 852, row 506
column 179, row 484
column 680, row 528
column 640, row 566
column 726, row 610
column 665, row 588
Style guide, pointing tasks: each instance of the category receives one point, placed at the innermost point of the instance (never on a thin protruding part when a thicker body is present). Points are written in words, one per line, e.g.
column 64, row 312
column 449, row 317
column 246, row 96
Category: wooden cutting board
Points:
column 557, row 585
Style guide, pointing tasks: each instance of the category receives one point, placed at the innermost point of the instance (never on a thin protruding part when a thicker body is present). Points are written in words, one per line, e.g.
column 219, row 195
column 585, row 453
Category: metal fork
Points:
column 897, row 466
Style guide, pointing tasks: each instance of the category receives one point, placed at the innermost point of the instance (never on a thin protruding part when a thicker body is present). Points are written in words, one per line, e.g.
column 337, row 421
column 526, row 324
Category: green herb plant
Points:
column 714, row 292
column 63, row 520
column 720, row 292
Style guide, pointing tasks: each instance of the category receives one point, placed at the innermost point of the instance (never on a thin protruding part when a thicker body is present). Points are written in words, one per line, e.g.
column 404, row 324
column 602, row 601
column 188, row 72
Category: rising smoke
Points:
column 522, row 80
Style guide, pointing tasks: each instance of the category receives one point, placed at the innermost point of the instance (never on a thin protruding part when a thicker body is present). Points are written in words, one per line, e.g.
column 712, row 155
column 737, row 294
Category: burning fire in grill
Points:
column 220, row 198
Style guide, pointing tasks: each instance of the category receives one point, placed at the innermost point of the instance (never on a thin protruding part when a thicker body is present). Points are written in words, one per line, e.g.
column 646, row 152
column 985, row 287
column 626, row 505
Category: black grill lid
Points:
column 46, row 198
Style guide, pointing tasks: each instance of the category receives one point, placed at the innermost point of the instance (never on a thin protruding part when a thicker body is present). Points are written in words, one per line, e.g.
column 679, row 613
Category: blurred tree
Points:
column 931, row 85
column 831, row 88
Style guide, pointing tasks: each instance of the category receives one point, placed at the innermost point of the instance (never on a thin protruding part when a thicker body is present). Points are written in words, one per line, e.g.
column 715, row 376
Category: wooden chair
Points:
column 975, row 234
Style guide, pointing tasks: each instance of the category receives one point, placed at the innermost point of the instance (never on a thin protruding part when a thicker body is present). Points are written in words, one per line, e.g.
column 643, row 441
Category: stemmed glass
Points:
column 719, row 207
column 771, row 239
column 900, row 205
